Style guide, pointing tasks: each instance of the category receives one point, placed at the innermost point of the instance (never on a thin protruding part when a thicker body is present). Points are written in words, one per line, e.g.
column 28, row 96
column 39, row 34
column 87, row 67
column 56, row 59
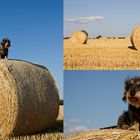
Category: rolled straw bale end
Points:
column 79, row 37
column 8, row 101
column 135, row 38
column 29, row 99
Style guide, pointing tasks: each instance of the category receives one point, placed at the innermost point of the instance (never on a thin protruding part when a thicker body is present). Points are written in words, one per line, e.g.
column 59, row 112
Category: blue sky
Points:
column 35, row 28
column 119, row 16
column 93, row 99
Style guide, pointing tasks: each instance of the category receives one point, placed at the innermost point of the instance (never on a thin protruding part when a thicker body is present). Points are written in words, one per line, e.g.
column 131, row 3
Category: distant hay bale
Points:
column 79, row 37
column 135, row 37
column 29, row 100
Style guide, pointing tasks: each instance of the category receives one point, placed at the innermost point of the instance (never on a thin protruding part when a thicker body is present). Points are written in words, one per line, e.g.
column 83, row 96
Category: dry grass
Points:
column 106, row 134
column 101, row 54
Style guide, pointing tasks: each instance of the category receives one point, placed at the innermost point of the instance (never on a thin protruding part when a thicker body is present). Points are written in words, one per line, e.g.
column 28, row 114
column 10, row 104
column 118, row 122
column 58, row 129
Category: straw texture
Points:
column 79, row 37
column 135, row 37
column 29, row 100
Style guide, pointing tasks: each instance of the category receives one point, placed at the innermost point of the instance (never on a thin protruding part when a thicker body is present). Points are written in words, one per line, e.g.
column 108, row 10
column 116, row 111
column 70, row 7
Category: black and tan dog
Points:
column 131, row 118
column 4, row 45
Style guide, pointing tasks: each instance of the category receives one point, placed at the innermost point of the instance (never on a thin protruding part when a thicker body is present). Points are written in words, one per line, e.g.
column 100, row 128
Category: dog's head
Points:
column 6, row 42
column 132, row 91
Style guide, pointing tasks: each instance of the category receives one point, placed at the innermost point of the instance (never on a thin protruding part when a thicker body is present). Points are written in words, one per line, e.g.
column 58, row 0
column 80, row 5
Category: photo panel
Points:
column 101, row 35
column 98, row 103
column 31, row 70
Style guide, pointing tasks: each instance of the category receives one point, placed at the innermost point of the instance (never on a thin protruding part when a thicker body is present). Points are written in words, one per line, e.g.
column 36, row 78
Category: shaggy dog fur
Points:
column 4, row 45
column 131, row 118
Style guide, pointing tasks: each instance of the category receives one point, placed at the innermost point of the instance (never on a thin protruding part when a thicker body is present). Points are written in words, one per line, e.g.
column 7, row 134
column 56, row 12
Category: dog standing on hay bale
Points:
column 131, row 118
column 4, row 45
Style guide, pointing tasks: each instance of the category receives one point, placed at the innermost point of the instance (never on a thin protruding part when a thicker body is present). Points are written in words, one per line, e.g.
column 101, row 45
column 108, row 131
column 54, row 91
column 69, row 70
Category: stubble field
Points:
column 101, row 54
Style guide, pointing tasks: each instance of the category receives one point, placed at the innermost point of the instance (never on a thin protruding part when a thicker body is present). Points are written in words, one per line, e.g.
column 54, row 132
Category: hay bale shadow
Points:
column 56, row 127
column 132, row 47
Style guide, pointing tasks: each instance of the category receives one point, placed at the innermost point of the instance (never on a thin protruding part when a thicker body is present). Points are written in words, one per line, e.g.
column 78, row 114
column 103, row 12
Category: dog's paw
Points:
column 125, row 126
column 134, row 127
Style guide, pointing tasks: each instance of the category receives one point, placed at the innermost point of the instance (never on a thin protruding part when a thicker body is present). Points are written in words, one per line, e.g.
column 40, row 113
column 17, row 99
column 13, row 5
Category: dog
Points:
column 130, row 119
column 4, row 45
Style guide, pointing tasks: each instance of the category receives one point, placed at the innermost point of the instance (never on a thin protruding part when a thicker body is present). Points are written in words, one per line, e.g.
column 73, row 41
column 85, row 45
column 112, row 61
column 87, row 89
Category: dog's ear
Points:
column 127, row 84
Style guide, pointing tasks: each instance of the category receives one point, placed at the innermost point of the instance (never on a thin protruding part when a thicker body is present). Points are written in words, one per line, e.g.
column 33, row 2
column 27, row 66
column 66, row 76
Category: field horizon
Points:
column 101, row 54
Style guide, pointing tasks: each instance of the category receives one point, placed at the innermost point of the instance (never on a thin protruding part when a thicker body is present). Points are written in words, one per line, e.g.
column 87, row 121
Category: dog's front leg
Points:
column 135, row 126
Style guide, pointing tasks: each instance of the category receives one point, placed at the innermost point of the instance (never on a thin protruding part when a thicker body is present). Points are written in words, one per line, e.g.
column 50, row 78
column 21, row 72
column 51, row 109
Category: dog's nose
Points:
column 132, row 92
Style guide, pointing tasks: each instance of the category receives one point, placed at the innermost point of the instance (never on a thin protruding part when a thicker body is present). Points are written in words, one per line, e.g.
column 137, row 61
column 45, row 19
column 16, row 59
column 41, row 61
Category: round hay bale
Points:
column 29, row 100
column 79, row 37
column 135, row 37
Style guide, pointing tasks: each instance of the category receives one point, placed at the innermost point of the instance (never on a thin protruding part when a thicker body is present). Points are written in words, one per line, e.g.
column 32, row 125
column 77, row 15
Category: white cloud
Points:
column 69, row 130
column 74, row 126
column 75, row 120
column 84, row 19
